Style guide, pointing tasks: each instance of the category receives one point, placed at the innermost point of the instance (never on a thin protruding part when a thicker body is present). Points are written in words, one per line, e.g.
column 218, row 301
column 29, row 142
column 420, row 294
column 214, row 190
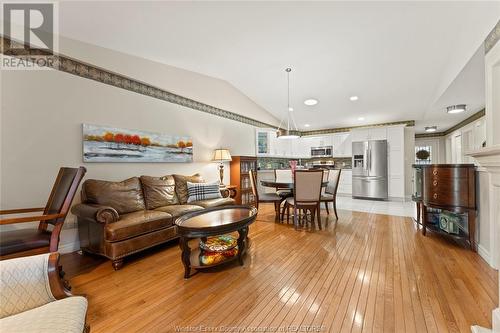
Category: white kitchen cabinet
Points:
column 303, row 147
column 359, row 134
column 365, row 134
column 345, row 183
column 377, row 133
column 342, row 144
column 396, row 161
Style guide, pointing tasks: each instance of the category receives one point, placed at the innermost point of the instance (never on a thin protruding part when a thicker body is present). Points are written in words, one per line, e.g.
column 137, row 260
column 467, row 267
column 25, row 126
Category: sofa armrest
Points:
column 101, row 214
column 29, row 282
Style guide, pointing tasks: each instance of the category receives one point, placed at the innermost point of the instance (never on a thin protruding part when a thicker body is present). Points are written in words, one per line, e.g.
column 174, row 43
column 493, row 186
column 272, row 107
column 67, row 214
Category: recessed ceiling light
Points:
column 307, row 125
column 431, row 129
column 290, row 109
column 311, row 102
column 456, row 108
column 361, row 118
column 353, row 98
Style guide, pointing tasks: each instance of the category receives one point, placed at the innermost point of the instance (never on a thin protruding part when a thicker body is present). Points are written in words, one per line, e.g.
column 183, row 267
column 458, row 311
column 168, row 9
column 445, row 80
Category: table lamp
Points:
column 221, row 156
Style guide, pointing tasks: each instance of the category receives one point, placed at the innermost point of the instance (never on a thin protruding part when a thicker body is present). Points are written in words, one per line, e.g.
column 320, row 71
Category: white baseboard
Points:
column 396, row 199
column 496, row 320
column 69, row 240
column 485, row 254
column 479, row 329
column 496, row 324
column 69, row 247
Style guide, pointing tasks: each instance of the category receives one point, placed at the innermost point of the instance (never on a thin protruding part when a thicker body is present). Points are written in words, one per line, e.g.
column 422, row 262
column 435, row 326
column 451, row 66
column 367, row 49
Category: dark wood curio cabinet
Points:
column 450, row 188
column 240, row 176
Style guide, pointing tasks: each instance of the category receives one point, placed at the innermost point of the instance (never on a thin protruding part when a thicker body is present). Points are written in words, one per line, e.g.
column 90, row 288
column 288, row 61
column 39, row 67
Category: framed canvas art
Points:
column 109, row 144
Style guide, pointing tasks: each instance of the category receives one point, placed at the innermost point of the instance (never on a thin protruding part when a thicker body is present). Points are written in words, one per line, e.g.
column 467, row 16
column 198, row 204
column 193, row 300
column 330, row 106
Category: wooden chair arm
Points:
column 24, row 219
column 55, row 281
column 21, row 211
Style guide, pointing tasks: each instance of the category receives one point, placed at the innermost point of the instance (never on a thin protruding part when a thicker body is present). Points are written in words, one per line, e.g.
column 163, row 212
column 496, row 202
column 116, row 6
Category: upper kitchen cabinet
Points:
column 365, row 134
column 342, row 144
column 302, row 147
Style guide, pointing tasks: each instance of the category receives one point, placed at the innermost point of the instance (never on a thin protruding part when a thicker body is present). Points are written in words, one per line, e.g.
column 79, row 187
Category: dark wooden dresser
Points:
column 450, row 187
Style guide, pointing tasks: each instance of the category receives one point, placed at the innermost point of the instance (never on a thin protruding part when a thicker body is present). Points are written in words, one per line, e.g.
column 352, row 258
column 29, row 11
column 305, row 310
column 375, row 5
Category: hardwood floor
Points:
column 364, row 273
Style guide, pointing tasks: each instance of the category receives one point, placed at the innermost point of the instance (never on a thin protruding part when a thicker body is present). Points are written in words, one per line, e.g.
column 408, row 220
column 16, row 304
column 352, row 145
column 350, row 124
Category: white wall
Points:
column 42, row 113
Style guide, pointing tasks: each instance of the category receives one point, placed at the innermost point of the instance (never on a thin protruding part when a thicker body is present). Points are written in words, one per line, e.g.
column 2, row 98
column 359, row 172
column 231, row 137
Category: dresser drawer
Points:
column 446, row 197
column 446, row 173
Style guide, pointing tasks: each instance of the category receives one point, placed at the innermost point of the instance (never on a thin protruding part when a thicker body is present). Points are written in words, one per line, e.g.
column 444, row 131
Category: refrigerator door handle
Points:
column 370, row 157
column 365, row 156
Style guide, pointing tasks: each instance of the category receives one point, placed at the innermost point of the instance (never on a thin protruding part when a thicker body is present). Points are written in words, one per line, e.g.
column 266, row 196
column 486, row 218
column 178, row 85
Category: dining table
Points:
column 284, row 185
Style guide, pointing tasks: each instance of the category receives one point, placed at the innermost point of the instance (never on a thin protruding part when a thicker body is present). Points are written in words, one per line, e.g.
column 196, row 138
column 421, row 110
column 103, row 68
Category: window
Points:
column 421, row 157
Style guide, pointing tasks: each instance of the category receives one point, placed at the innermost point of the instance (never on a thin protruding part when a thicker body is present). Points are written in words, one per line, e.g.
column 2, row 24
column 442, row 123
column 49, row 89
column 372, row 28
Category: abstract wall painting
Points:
column 109, row 144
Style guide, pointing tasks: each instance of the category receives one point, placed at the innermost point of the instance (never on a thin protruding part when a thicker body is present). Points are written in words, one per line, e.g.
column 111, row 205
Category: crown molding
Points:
column 88, row 71
column 347, row 129
column 492, row 38
column 452, row 129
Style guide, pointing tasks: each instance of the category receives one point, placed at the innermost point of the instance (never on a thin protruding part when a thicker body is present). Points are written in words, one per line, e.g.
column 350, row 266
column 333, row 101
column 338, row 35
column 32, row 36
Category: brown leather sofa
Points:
column 116, row 219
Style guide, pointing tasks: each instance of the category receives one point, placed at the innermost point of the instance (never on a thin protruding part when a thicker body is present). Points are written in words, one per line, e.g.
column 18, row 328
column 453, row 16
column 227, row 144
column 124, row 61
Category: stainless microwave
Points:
column 325, row 151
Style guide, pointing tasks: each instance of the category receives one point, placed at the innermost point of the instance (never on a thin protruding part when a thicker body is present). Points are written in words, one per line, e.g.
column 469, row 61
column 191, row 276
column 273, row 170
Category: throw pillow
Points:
column 181, row 185
column 203, row 191
column 125, row 196
column 159, row 191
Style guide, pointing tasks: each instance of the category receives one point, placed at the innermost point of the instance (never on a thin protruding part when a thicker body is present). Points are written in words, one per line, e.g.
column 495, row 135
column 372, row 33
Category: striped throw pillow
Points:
column 203, row 191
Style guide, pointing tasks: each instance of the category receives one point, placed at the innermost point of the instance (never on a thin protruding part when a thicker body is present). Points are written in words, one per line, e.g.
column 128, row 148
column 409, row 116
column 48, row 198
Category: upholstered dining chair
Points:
column 24, row 242
column 283, row 176
column 330, row 194
column 306, row 196
column 264, row 197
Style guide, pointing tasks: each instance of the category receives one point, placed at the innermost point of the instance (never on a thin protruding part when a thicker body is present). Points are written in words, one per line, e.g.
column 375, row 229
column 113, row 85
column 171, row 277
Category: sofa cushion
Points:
column 159, row 191
column 137, row 223
column 125, row 196
column 214, row 202
column 178, row 210
column 65, row 315
column 181, row 185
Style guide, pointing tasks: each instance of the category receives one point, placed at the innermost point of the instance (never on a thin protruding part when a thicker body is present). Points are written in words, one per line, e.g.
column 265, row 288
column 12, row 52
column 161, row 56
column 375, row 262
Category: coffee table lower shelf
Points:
column 191, row 255
column 196, row 252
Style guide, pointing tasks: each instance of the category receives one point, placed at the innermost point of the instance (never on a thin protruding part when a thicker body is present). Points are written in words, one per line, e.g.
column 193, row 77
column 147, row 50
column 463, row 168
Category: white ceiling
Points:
column 398, row 57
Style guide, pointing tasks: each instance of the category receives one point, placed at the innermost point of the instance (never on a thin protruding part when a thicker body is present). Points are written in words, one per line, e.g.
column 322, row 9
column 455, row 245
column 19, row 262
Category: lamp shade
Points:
column 221, row 155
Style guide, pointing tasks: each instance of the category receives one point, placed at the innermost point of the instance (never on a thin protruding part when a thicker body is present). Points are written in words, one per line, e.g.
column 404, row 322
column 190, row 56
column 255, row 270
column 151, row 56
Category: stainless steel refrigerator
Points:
column 369, row 169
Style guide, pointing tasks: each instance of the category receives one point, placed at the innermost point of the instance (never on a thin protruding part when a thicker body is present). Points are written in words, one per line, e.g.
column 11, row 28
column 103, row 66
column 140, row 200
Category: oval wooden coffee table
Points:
column 213, row 222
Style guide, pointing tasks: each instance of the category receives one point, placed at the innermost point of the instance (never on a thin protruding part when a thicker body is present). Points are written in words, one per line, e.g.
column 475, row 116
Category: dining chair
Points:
column 30, row 241
column 264, row 197
column 330, row 194
column 306, row 196
column 326, row 174
column 283, row 176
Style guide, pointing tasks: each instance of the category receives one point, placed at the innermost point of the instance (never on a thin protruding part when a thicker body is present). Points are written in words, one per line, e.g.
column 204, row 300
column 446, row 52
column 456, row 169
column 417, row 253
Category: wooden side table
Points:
column 229, row 191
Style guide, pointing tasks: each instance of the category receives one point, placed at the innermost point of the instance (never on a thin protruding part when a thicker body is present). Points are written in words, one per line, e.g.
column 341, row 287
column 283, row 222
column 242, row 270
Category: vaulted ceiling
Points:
column 404, row 60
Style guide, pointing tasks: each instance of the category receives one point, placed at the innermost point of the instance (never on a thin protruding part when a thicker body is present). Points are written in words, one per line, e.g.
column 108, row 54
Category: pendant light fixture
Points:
column 289, row 129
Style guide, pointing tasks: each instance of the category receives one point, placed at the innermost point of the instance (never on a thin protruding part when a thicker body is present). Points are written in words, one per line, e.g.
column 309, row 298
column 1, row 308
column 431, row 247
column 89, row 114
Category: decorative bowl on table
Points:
column 210, row 258
column 220, row 243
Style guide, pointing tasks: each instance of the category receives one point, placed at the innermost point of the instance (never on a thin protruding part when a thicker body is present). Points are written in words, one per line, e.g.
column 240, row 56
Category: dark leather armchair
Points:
column 24, row 242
